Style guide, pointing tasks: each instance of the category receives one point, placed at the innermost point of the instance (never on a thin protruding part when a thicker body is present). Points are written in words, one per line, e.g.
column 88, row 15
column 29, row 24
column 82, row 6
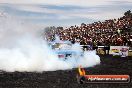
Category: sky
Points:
column 64, row 12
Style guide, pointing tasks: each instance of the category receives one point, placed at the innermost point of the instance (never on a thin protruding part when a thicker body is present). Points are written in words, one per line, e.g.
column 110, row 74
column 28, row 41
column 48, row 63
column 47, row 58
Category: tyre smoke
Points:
column 22, row 49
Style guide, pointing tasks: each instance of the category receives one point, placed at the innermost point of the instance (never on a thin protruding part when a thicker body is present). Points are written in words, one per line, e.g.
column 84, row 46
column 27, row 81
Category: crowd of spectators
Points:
column 109, row 32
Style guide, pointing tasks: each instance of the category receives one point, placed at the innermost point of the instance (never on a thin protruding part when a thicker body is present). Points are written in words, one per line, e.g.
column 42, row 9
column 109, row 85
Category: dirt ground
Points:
column 67, row 79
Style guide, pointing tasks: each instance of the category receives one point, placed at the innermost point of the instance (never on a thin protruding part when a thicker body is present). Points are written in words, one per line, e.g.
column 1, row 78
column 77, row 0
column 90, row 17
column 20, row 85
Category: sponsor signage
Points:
column 119, row 50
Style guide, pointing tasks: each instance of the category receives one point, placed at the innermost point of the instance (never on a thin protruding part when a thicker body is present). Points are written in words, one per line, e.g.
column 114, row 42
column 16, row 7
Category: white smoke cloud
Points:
column 22, row 49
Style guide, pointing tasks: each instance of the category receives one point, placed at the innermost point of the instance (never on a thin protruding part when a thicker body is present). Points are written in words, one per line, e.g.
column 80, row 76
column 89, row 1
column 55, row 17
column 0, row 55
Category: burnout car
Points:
column 64, row 50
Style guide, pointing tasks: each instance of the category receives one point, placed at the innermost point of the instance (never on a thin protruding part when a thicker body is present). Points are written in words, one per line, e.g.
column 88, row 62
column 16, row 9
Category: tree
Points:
column 128, row 13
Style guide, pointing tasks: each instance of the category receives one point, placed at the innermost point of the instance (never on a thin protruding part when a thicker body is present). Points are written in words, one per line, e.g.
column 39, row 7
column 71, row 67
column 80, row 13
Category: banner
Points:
column 119, row 50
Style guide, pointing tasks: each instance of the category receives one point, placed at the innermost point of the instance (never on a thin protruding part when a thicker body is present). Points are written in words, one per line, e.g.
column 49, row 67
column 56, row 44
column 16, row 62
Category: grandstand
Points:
column 111, row 32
